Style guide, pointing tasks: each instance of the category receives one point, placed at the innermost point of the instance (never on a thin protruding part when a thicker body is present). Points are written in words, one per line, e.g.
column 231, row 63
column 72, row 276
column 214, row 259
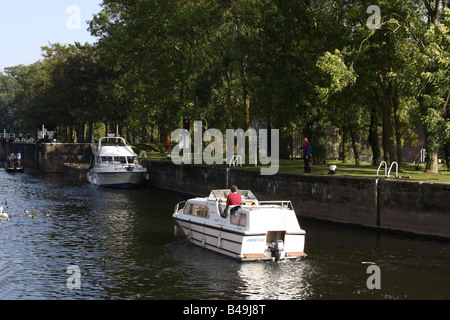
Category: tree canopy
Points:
column 302, row 65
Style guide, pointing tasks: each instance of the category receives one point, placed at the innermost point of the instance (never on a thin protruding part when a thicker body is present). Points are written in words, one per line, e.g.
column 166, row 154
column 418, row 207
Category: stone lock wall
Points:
column 47, row 157
column 407, row 206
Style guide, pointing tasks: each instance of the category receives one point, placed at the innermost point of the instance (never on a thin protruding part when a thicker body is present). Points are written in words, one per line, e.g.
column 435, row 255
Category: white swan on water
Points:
column 3, row 215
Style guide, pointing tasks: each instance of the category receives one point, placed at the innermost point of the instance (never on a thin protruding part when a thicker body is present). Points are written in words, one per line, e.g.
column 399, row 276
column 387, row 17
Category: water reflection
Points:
column 124, row 244
column 285, row 280
column 207, row 275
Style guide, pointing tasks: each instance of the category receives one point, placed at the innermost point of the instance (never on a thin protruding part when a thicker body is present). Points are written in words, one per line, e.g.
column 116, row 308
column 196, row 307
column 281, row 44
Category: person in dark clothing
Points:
column 306, row 153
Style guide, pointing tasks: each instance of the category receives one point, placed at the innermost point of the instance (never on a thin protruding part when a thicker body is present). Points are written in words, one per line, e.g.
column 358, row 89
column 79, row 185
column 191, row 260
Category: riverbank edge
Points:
column 404, row 207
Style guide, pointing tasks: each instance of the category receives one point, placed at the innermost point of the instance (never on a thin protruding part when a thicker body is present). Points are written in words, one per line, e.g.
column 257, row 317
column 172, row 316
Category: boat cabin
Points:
column 115, row 150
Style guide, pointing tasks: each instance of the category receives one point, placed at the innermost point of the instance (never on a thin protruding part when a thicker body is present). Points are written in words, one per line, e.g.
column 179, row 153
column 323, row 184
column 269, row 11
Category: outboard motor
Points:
column 277, row 247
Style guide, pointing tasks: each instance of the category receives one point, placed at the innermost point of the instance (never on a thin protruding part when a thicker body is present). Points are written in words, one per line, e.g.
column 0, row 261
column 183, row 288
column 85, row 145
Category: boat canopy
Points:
column 112, row 141
column 223, row 193
column 116, row 151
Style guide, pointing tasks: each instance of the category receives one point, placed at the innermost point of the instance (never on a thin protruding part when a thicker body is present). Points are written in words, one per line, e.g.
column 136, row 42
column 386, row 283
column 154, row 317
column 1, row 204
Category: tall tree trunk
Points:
column 398, row 133
column 68, row 134
column 230, row 97
column 144, row 134
column 432, row 140
column 91, row 131
column 433, row 7
column 431, row 134
column 353, row 139
column 80, row 132
column 388, row 143
column 71, row 140
column 373, row 137
column 431, row 145
column 447, row 140
column 245, row 94
column 344, row 146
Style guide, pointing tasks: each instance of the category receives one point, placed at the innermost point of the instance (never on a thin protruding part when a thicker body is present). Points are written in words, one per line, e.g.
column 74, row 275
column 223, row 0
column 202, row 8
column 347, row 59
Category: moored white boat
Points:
column 255, row 230
column 115, row 164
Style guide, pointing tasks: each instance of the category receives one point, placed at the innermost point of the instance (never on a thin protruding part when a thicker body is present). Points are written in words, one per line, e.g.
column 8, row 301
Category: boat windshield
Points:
column 223, row 193
column 117, row 160
column 247, row 195
column 113, row 141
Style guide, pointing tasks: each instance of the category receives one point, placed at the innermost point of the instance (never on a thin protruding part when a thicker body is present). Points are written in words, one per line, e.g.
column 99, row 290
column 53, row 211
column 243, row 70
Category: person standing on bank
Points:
column 306, row 153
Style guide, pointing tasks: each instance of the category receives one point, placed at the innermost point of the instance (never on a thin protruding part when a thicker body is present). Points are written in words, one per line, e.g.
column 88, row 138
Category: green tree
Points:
column 9, row 115
column 426, row 75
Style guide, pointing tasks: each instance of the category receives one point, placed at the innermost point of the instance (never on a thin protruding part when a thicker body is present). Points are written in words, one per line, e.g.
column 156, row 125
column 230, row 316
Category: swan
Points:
column 3, row 215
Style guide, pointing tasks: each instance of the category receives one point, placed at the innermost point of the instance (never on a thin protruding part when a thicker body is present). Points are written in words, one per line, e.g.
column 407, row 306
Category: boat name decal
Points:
column 259, row 239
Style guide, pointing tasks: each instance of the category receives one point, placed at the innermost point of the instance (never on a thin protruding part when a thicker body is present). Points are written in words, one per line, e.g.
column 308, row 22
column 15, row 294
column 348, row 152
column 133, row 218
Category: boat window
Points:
column 239, row 219
column 187, row 209
column 218, row 194
column 247, row 195
column 107, row 159
column 201, row 211
column 131, row 160
column 223, row 193
column 119, row 160
column 113, row 141
column 196, row 210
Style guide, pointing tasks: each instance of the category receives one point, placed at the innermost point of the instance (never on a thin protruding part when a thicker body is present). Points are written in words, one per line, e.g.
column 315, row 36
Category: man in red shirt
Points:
column 233, row 199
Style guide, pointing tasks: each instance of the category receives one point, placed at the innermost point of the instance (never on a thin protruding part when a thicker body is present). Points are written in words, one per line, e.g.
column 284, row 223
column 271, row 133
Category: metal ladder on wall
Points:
column 388, row 173
column 236, row 160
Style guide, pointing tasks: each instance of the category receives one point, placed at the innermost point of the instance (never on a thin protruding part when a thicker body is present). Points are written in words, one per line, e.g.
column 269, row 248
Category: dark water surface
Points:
column 124, row 245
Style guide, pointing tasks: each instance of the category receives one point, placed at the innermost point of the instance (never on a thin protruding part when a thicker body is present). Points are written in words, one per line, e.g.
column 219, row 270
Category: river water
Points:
column 79, row 242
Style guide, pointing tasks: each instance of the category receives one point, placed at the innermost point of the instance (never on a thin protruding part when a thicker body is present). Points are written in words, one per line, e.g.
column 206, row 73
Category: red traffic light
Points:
column 186, row 124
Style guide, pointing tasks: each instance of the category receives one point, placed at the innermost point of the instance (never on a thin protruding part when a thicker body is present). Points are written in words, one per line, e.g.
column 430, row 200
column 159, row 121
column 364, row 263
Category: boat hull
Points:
column 12, row 165
column 239, row 244
column 120, row 180
column 13, row 169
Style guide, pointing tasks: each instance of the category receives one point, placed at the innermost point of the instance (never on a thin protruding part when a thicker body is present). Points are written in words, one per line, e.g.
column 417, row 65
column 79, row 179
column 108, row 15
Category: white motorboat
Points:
column 115, row 164
column 255, row 230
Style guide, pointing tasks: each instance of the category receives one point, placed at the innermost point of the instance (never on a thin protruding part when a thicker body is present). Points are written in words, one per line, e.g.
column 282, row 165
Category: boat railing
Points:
column 112, row 141
column 7, row 136
column 177, row 207
column 284, row 204
column 118, row 164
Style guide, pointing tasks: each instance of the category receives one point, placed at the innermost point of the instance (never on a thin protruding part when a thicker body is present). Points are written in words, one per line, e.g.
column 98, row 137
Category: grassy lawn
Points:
column 408, row 172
